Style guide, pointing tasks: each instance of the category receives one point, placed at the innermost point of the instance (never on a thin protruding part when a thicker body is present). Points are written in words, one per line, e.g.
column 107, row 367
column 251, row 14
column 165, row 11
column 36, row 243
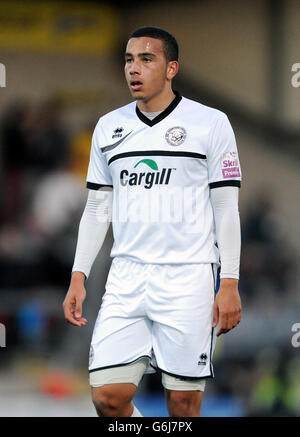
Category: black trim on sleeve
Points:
column 230, row 183
column 93, row 186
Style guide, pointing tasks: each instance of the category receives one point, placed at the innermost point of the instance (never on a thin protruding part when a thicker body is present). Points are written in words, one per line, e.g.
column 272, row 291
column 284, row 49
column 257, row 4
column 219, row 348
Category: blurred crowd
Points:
column 42, row 197
column 268, row 262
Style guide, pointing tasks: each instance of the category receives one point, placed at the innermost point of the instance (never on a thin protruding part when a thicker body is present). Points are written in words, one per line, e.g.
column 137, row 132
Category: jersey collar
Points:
column 163, row 114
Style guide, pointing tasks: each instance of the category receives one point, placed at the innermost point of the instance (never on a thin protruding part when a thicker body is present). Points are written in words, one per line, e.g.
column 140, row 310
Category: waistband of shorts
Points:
column 138, row 262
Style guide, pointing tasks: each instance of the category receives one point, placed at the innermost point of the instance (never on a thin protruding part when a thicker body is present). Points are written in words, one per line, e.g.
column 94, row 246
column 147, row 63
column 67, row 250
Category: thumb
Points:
column 216, row 315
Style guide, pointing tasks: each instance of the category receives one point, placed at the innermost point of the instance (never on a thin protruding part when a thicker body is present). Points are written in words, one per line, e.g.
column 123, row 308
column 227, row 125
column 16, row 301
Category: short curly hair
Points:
column 169, row 42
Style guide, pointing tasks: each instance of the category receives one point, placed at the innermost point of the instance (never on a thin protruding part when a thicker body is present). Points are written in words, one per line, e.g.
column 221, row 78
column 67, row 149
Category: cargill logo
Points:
column 147, row 179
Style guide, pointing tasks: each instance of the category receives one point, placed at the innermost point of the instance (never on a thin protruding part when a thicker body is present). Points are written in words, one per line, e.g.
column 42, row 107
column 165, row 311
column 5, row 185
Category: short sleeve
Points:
column 222, row 155
column 98, row 174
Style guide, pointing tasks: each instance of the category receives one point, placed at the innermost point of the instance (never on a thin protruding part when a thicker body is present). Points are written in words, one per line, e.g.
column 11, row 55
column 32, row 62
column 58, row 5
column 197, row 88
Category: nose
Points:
column 134, row 68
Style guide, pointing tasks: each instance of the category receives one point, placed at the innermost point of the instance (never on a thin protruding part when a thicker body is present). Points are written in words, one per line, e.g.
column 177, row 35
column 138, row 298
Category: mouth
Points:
column 135, row 85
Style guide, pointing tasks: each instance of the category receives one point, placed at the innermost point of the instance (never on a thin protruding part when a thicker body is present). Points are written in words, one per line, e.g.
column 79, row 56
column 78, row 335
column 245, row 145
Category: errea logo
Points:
column 117, row 132
column 148, row 179
column 202, row 359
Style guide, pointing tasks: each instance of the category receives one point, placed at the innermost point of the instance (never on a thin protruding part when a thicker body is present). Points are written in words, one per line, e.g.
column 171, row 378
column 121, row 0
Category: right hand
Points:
column 75, row 296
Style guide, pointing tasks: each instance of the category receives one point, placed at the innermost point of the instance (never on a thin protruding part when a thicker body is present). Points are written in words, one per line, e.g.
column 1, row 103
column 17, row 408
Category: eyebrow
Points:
column 141, row 54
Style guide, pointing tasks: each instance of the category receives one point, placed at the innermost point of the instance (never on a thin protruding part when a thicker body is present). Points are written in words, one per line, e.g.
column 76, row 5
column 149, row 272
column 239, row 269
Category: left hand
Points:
column 227, row 306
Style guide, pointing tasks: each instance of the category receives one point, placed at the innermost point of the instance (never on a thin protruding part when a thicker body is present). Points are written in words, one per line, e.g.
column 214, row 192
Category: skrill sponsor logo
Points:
column 230, row 165
column 231, row 173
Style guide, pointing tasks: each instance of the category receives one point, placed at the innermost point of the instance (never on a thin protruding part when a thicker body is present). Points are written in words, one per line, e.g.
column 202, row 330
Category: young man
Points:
column 173, row 168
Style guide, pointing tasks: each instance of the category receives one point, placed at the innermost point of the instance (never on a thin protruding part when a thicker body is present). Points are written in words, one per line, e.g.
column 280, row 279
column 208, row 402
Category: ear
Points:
column 172, row 69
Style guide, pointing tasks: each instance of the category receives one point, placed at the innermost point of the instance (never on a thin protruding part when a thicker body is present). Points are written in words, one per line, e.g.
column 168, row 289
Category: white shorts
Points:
column 160, row 311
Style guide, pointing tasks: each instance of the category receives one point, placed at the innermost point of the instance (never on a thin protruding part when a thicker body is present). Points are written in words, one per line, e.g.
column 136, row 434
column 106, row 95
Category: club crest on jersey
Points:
column 118, row 132
column 175, row 136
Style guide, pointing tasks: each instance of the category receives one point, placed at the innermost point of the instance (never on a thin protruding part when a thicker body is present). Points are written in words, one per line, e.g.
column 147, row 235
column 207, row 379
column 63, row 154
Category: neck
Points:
column 158, row 102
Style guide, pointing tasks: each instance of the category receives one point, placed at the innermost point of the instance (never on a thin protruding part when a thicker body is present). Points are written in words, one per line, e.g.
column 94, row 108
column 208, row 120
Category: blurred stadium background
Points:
column 64, row 68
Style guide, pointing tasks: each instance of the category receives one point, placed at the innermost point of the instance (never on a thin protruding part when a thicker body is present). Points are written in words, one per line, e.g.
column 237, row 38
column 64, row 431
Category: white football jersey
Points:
column 161, row 171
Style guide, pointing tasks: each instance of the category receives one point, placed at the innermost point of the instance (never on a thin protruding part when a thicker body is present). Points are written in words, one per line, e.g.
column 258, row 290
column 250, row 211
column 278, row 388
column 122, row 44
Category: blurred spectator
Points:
column 41, row 250
column 15, row 158
column 40, row 220
column 291, row 394
column 276, row 385
column 33, row 143
column 48, row 145
column 80, row 145
column 31, row 322
column 267, row 260
column 57, row 202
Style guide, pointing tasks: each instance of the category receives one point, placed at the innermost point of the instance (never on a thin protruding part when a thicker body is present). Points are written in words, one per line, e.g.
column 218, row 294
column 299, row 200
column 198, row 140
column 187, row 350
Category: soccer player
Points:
column 165, row 170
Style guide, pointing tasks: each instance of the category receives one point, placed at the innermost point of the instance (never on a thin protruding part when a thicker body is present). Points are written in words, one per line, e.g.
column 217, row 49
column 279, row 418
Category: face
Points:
column 146, row 69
